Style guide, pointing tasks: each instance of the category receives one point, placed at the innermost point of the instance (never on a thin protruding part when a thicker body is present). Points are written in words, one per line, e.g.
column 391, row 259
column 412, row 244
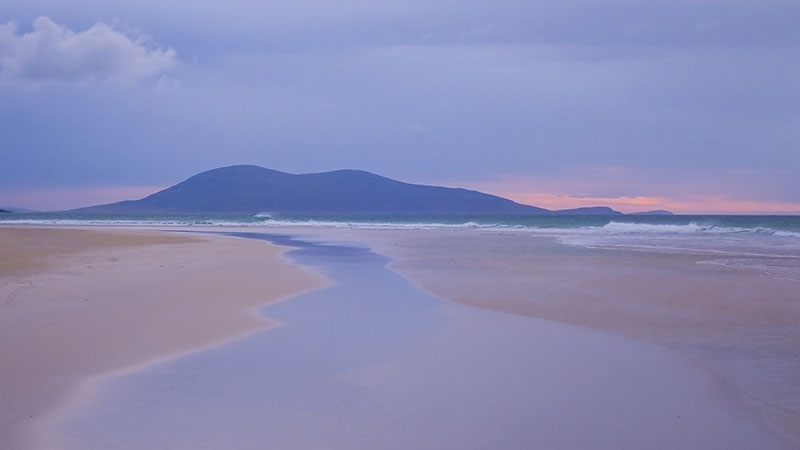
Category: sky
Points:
column 686, row 105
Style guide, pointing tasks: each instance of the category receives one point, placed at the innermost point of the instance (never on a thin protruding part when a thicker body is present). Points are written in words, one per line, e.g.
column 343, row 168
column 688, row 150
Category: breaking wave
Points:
column 690, row 228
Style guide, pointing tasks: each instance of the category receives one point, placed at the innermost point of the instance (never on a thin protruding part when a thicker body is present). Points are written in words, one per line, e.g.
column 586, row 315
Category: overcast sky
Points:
column 689, row 105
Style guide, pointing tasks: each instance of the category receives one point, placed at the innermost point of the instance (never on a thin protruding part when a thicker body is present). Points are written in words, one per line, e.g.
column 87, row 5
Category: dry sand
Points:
column 737, row 323
column 76, row 303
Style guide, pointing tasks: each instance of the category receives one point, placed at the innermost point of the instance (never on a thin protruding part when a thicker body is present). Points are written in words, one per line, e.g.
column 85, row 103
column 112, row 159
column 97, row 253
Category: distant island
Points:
column 657, row 212
column 248, row 189
column 15, row 209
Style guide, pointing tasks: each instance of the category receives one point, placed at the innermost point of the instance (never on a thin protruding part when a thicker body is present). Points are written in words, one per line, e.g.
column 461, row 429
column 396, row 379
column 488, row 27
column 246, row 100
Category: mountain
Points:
column 253, row 189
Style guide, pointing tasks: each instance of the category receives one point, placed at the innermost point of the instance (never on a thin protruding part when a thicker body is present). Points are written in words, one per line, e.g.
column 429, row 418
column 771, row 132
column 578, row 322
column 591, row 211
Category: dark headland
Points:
column 16, row 209
column 657, row 212
column 248, row 189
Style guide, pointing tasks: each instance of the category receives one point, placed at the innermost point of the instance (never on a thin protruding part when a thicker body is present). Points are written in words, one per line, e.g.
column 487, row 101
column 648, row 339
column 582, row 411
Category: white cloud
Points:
column 53, row 53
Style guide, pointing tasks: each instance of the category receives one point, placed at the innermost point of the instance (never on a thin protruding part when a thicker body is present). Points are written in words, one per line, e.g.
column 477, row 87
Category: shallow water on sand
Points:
column 375, row 363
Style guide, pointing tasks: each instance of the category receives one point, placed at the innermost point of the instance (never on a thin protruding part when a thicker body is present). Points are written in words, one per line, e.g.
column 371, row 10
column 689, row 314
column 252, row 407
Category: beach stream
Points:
column 374, row 362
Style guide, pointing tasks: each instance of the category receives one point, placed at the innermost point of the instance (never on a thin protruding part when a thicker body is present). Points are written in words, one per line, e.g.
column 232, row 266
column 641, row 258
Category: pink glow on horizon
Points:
column 729, row 192
column 59, row 199
column 693, row 205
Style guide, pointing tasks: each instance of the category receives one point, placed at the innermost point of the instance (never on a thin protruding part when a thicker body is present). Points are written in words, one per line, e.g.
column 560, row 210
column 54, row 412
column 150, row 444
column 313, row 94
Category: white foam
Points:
column 266, row 224
column 692, row 237
column 787, row 234
column 626, row 227
column 391, row 225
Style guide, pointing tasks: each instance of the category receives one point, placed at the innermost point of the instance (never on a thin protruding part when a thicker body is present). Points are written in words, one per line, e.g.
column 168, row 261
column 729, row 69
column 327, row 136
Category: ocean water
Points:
column 742, row 236
column 777, row 223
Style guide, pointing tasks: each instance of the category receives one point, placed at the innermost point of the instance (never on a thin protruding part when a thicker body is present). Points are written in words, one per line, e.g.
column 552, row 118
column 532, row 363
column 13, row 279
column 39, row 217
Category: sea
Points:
column 739, row 240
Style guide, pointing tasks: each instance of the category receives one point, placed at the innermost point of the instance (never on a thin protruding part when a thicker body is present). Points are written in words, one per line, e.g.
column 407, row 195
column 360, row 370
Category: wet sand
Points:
column 75, row 304
column 722, row 373
column 740, row 324
column 373, row 362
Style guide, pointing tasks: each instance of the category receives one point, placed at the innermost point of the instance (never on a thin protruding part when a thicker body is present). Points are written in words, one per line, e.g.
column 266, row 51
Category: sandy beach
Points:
column 683, row 354
column 424, row 225
column 373, row 362
column 739, row 324
column 75, row 304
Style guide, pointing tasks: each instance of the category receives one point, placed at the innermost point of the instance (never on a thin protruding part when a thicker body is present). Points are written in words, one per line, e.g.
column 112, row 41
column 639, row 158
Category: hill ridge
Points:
column 251, row 189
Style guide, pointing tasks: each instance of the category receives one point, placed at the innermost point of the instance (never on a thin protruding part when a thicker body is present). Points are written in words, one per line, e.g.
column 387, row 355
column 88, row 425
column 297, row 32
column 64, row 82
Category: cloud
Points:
column 52, row 53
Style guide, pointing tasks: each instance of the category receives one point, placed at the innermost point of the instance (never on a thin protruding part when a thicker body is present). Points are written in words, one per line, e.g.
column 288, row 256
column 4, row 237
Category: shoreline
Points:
column 639, row 296
column 375, row 362
column 737, row 324
column 81, row 304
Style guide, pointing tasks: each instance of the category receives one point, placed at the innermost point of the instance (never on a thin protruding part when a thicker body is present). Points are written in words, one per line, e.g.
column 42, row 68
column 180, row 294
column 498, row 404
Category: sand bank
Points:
column 79, row 303
column 739, row 324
